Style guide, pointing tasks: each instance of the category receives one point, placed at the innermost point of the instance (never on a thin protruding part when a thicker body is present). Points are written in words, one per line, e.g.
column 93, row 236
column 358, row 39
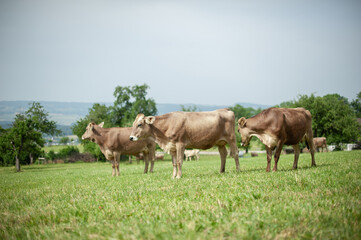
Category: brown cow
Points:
column 320, row 142
column 276, row 127
column 175, row 131
column 114, row 142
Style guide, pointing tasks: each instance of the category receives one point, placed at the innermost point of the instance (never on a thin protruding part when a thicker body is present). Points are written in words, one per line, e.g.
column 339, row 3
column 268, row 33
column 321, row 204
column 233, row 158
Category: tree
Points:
column 356, row 105
column 98, row 113
column 64, row 140
column 193, row 108
column 240, row 111
column 129, row 101
column 332, row 117
column 25, row 138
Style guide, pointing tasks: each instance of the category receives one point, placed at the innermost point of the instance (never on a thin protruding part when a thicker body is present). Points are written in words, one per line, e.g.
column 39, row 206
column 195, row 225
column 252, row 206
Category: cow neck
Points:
column 253, row 126
column 158, row 128
column 99, row 135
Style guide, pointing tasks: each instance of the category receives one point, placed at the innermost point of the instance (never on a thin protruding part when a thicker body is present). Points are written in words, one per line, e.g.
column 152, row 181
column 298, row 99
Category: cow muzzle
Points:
column 133, row 138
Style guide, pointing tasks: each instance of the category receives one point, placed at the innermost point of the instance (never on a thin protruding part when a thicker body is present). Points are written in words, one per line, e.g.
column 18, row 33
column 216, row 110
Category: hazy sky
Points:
column 202, row 52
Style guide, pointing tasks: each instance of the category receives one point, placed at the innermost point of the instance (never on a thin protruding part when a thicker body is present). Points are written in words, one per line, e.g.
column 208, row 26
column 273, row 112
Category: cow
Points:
column 320, row 142
column 175, row 131
column 159, row 156
column 191, row 153
column 114, row 142
column 276, row 127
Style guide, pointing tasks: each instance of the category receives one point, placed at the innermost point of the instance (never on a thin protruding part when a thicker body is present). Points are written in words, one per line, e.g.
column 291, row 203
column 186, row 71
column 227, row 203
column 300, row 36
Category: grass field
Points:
column 83, row 200
column 59, row 147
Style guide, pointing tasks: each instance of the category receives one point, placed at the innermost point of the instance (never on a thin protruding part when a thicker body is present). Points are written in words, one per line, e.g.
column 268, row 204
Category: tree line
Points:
column 333, row 117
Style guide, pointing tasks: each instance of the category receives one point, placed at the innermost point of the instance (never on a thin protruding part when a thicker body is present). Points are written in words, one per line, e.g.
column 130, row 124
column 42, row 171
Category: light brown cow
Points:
column 114, row 142
column 320, row 142
column 276, row 127
column 191, row 153
column 175, row 131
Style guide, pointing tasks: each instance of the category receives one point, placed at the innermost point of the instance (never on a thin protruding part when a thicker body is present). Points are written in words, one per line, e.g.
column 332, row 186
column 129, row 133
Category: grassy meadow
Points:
column 83, row 200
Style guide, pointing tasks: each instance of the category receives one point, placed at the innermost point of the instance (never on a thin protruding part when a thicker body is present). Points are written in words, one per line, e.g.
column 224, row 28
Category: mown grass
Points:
column 83, row 201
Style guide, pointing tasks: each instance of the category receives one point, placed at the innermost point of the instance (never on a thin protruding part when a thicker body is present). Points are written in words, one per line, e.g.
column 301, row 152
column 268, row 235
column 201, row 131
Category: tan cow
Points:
column 320, row 142
column 114, row 142
column 276, row 127
column 191, row 153
column 175, row 131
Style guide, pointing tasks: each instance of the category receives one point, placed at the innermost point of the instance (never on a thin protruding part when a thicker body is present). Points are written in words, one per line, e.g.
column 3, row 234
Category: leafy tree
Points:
column 332, row 117
column 287, row 104
column 98, row 113
column 240, row 111
column 193, row 108
column 64, row 140
column 129, row 101
column 25, row 138
column 356, row 104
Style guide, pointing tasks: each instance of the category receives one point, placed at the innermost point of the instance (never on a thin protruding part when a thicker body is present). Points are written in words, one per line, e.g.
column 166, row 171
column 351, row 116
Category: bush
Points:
column 64, row 153
column 68, row 151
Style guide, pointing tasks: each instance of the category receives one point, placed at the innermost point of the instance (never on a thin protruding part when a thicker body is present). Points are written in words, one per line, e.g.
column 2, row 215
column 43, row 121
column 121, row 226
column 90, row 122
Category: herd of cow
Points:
column 176, row 131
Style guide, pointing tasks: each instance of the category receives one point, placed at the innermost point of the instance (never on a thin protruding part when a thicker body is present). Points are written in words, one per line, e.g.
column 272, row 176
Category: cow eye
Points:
column 139, row 125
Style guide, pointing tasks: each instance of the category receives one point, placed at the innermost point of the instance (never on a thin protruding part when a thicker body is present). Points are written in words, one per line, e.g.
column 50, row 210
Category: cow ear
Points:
column 149, row 120
column 101, row 124
column 242, row 122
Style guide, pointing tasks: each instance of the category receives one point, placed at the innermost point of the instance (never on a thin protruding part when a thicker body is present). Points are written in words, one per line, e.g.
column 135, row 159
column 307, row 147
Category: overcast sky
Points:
column 201, row 52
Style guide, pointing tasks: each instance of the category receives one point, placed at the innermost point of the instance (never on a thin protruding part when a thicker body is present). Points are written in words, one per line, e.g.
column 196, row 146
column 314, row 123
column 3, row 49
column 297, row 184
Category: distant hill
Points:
column 67, row 113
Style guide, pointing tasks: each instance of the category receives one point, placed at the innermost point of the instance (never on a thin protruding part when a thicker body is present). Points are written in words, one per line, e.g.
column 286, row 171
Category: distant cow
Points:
column 191, row 153
column 253, row 154
column 276, row 127
column 114, row 142
column 320, row 142
column 175, row 131
column 159, row 156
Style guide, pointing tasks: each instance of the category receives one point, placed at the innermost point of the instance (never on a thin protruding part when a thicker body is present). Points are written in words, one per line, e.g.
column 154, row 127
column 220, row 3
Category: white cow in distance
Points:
column 191, row 153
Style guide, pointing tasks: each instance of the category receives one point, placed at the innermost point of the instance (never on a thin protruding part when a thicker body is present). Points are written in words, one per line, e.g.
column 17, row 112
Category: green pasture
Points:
column 83, row 200
column 57, row 148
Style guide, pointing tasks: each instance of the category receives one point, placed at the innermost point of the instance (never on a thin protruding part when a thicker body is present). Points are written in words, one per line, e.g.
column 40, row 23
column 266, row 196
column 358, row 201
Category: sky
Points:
column 200, row 52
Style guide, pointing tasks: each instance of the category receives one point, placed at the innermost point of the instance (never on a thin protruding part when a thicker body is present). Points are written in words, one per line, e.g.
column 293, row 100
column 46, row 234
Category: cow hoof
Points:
column 178, row 177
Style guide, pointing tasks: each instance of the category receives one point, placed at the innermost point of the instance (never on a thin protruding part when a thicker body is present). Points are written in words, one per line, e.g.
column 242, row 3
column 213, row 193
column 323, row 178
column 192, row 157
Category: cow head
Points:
column 244, row 131
column 141, row 127
column 90, row 131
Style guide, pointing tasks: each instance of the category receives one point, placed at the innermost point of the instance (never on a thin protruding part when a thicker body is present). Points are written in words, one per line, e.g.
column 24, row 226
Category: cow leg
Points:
column 277, row 155
column 223, row 153
column 174, row 161
column 117, row 160
column 234, row 152
column 296, row 149
column 152, row 159
column 113, row 166
column 309, row 139
column 269, row 158
column 180, row 156
column 146, row 162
